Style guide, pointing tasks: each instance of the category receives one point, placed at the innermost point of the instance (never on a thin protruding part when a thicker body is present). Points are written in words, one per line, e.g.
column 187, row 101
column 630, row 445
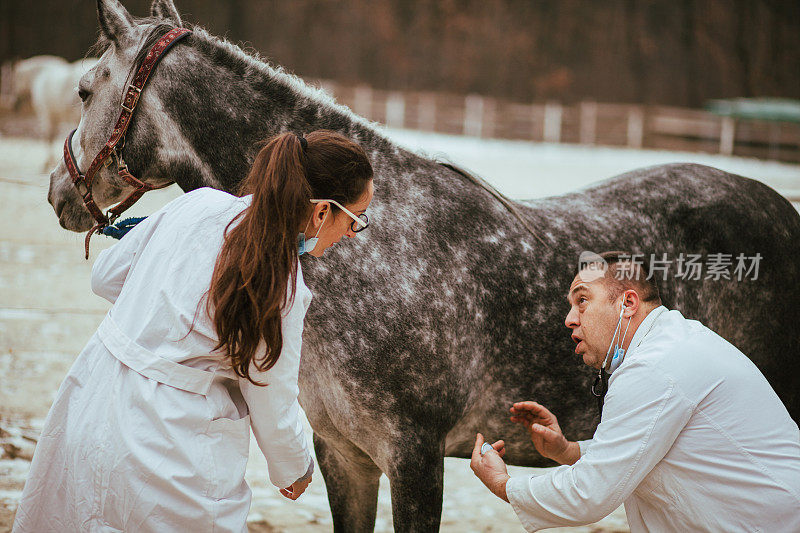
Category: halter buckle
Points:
column 83, row 190
column 131, row 98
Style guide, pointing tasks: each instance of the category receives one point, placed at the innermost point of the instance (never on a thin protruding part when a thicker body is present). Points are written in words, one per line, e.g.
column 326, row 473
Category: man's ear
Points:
column 632, row 302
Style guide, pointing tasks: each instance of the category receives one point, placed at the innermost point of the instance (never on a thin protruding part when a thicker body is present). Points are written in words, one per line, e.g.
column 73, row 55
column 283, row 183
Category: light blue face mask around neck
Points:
column 307, row 245
column 615, row 350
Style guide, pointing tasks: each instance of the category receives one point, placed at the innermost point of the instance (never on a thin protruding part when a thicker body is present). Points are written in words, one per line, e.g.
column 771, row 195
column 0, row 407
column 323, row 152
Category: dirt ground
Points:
column 47, row 313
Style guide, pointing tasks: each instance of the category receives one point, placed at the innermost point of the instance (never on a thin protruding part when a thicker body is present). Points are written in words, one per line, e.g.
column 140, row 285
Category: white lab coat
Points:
column 692, row 438
column 150, row 429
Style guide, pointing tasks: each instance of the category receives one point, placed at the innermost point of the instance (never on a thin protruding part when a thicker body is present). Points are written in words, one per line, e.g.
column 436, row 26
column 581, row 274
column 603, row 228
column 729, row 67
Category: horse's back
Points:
column 744, row 227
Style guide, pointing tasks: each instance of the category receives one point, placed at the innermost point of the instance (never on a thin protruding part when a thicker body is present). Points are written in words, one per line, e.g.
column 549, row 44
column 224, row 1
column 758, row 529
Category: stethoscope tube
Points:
column 602, row 375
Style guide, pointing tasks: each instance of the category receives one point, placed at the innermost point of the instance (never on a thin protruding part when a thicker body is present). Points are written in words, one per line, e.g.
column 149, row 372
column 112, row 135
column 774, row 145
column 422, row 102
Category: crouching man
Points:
column 692, row 437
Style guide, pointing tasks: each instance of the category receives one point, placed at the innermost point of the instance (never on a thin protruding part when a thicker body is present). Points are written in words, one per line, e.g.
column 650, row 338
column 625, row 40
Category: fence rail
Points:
column 590, row 123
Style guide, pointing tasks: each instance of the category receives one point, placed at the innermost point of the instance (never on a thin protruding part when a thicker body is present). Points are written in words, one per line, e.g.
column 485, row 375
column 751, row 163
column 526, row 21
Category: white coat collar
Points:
column 645, row 327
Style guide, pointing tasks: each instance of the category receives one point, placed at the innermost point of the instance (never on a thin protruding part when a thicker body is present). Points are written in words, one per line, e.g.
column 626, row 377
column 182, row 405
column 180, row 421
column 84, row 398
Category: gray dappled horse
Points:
column 425, row 328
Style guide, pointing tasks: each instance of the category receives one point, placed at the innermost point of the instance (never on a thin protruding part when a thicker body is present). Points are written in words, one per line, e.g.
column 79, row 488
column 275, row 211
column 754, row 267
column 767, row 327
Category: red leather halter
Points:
column 114, row 145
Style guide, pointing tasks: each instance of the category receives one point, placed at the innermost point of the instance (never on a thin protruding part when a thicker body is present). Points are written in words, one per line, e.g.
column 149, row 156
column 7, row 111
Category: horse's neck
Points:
column 317, row 113
column 256, row 102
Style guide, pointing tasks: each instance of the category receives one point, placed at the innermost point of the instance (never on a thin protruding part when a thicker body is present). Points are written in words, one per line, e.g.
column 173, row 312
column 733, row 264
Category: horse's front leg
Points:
column 416, row 476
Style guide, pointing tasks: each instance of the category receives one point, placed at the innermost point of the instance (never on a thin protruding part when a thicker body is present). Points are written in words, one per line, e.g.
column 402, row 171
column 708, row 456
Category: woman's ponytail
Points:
column 256, row 272
column 258, row 261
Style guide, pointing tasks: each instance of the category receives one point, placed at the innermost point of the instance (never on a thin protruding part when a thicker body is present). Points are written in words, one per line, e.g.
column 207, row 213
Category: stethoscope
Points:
column 602, row 376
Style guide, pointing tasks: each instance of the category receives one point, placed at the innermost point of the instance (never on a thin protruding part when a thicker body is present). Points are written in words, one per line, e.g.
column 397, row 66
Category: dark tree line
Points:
column 678, row 52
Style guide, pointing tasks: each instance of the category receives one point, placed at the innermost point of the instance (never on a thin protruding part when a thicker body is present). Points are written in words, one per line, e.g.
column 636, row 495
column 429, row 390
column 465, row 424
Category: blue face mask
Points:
column 600, row 385
column 615, row 350
column 306, row 245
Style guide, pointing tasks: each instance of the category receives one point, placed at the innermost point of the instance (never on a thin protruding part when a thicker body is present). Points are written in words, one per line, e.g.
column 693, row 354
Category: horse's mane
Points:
column 158, row 27
column 245, row 62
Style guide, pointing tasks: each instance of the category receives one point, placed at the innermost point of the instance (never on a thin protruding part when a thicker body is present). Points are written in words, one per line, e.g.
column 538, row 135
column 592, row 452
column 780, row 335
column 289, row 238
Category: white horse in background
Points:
column 51, row 82
column 23, row 73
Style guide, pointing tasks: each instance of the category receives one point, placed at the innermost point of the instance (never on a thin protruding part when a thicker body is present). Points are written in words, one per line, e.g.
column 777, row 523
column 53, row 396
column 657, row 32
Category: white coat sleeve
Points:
column 643, row 414
column 274, row 409
column 111, row 267
column 583, row 445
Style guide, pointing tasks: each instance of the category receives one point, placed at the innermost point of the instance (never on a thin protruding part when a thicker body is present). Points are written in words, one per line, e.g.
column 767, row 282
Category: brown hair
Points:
column 258, row 258
column 626, row 271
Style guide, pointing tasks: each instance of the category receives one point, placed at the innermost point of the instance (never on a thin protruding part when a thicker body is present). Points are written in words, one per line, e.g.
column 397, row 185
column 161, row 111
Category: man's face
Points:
column 592, row 317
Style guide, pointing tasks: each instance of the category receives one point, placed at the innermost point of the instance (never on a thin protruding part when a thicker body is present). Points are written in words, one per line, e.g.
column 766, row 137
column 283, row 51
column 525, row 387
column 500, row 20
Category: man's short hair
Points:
column 624, row 271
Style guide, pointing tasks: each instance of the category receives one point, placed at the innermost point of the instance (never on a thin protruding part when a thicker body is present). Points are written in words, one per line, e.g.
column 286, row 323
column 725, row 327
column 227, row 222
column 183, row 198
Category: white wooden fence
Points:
column 592, row 123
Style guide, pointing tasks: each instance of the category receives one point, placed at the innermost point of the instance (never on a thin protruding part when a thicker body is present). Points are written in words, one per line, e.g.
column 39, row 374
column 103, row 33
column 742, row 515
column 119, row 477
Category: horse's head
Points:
column 101, row 90
column 199, row 119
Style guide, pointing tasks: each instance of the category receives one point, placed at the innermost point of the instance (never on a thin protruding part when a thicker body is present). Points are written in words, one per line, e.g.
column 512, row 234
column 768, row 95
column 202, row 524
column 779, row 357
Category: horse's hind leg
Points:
column 352, row 481
column 417, row 481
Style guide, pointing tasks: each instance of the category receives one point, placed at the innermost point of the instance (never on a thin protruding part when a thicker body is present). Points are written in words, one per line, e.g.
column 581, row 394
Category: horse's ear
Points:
column 115, row 21
column 165, row 9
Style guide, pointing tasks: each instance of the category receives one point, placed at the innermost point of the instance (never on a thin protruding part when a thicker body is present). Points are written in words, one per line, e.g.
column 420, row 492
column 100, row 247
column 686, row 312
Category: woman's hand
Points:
column 297, row 488
column 545, row 432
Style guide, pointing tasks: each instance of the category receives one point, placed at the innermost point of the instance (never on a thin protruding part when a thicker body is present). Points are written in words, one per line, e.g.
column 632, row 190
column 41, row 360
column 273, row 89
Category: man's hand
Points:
column 490, row 468
column 297, row 488
column 545, row 432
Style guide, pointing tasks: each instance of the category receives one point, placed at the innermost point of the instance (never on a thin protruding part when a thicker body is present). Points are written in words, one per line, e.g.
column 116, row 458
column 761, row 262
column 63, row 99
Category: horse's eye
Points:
column 83, row 94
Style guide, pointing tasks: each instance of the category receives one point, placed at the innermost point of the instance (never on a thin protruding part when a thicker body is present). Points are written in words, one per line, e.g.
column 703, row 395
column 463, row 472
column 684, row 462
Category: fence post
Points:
column 588, row 122
column 489, row 118
column 6, row 85
column 473, row 115
column 727, row 134
column 552, row 122
column 635, row 127
column 426, row 112
column 774, row 141
column 362, row 101
column 395, row 110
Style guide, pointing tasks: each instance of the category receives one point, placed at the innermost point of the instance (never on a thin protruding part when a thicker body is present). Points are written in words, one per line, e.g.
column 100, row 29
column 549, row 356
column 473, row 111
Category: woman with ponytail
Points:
column 151, row 428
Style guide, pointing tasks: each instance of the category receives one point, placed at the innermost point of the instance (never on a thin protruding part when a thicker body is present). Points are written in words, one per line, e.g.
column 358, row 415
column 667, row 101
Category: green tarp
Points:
column 778, row 109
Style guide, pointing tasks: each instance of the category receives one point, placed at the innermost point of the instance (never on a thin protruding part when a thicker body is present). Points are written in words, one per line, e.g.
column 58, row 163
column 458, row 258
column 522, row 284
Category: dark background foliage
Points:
column 677, row 52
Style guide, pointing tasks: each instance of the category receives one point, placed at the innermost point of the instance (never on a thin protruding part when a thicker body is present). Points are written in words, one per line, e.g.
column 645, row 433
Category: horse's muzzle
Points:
column 67, row 204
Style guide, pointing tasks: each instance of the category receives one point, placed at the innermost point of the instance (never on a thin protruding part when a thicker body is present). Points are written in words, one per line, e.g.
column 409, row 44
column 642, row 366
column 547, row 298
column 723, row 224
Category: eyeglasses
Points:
column 360, row 222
